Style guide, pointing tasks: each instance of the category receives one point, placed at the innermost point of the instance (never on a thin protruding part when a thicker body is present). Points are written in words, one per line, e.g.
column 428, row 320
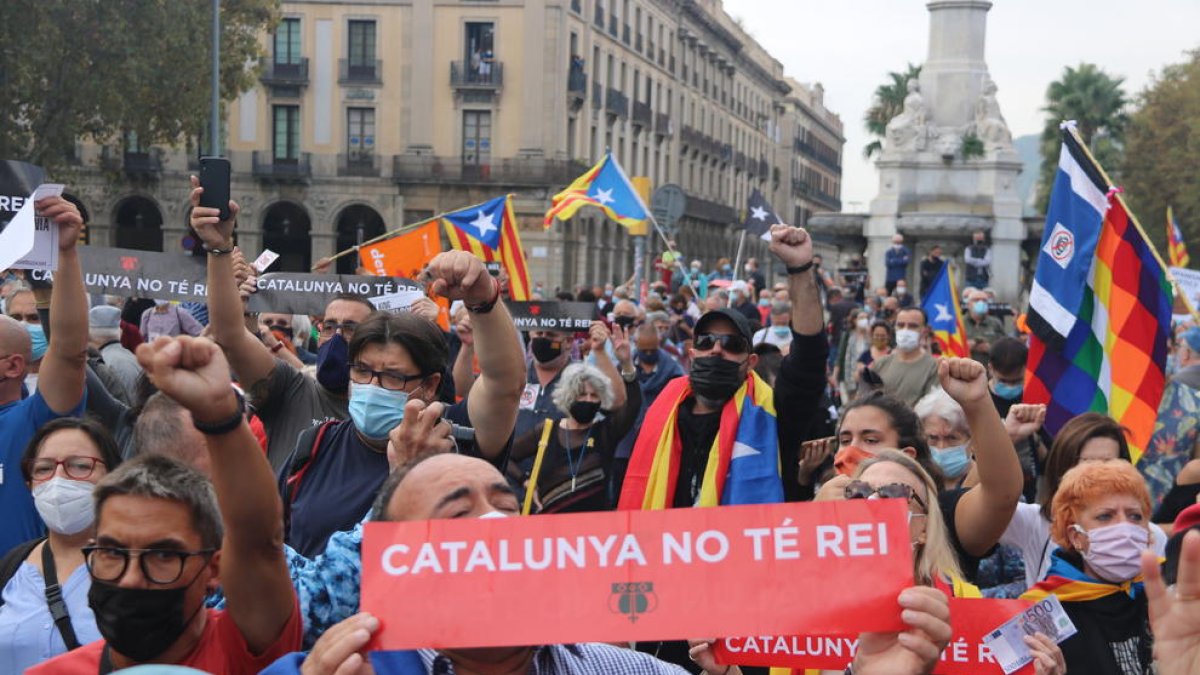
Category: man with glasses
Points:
column 61, row 391
column 164, row 538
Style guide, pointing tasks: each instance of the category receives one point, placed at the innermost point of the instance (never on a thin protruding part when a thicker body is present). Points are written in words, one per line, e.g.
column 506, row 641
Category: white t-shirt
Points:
column 769, row 336
column 1029, row 533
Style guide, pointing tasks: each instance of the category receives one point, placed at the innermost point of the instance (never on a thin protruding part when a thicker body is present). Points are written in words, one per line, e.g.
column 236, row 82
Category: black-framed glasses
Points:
column 346, row 328
column 861, row 489
column 388, row 379
column 159, row 565
column 734, row 344
column 77, row 467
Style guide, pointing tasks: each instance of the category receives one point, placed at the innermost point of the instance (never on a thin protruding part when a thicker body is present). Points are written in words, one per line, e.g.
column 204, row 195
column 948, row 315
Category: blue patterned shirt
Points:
column 585, row 658
column 1176, row 436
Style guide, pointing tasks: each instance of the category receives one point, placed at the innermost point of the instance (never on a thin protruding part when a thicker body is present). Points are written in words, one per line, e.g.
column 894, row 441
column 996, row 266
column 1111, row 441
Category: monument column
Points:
column 953, row 73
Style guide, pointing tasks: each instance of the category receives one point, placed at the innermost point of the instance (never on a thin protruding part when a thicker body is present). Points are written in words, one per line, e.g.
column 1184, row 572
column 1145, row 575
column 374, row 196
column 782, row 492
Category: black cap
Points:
column 735, row 317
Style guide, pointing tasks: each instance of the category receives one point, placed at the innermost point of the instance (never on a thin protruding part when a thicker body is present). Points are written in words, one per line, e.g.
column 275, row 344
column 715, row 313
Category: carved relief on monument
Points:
column 990, row 126
column 907, row 130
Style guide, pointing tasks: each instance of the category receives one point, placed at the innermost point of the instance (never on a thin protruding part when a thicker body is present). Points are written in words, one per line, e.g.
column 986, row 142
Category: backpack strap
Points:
column 54, row 599
column 307, row 446
column 12, row 560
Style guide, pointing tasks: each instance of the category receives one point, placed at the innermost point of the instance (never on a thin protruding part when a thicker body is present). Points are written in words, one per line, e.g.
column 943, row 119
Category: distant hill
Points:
column 1031, row 161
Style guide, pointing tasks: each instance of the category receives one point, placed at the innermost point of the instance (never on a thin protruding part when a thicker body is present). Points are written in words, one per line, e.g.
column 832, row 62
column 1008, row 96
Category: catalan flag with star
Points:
column 945, row 315
column 489, row 230
column 1176, row 249
column 1100, row 307
column 604, row 186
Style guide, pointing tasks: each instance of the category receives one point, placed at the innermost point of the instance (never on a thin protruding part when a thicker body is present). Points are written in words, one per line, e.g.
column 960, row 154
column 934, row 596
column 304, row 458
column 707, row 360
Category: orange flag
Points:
column 402, row 256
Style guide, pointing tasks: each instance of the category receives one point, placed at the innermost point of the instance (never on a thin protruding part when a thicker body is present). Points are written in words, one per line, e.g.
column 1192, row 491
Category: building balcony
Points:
column 366, row 72
column 616, row 103
column 284, row 74
column 642, row 115
column 531, row 172
column 703, row 209
column 663, row 125
column 363, row 164
column 142, row 163
column 488, row 76
column 822, row 156
column 284, row 170
column 577, row 81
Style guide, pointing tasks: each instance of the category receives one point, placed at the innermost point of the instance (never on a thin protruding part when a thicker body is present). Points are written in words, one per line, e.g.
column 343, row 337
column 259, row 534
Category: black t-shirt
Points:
column 1179, row 498
column 948, row 503
column 696, row 435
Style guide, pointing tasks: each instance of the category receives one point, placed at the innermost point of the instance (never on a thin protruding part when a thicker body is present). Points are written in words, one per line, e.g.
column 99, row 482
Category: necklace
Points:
column 573, row 464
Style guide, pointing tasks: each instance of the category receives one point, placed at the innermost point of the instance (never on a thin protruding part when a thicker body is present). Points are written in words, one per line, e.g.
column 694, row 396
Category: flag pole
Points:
column 1070, row 128
column 737, row 261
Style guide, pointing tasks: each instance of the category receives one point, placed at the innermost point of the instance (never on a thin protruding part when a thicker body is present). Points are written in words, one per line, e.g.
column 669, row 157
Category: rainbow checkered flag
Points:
column 1100, row 307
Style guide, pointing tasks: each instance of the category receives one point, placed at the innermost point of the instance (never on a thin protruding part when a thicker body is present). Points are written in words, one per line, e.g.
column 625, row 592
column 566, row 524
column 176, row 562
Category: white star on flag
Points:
column 758, row 213
column 943, row 313
column 604, row 197
column 485, row 223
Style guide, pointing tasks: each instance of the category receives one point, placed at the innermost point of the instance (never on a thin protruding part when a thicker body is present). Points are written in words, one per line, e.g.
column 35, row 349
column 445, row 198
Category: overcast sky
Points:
column 849, row 46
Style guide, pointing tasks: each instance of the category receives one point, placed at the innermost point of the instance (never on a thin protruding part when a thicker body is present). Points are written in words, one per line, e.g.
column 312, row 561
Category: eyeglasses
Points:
column 27, row 318
column 860, row 489
column 388, row 379
column 328, row 328
column 79, row 468
column 160, row 566
column 734, row 344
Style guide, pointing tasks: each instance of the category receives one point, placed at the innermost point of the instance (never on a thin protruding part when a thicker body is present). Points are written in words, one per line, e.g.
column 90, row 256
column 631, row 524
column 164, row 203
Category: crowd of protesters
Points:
column 187, row 484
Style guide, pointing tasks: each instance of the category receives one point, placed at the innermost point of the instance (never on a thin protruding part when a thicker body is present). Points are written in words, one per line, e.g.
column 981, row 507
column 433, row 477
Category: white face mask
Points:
column 907, row 339
column 65, row 505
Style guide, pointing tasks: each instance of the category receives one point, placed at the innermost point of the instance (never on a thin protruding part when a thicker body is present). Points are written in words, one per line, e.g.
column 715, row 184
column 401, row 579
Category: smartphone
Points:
column 214, row 178
column 493, row 268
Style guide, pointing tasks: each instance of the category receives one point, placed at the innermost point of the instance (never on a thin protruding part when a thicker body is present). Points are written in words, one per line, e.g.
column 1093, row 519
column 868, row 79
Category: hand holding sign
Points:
column 914, row 651
column 459, row 275
column 214, row 232
column 342, row 649
column 65, row 215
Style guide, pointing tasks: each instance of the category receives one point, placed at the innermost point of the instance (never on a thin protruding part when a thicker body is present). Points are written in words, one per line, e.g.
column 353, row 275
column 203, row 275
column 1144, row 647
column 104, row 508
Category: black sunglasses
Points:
column 860, row 489
column 734, row 344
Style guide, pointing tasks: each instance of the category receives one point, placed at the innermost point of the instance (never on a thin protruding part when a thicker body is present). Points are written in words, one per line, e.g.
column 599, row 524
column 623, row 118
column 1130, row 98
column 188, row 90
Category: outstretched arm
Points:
column 62, row 373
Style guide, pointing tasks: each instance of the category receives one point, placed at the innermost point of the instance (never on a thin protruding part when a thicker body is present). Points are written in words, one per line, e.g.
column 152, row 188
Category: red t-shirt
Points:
column 221, row 650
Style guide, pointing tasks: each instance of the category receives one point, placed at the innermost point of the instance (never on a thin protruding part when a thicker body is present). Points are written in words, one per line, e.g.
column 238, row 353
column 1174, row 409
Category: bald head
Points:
column 445, row 486
column 14, row 338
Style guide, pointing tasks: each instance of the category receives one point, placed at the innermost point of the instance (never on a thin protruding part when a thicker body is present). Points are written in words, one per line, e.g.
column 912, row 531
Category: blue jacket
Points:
column 897, row 260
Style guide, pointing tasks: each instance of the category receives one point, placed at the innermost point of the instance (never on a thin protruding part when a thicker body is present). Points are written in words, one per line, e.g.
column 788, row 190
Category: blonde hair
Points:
column 936, row 556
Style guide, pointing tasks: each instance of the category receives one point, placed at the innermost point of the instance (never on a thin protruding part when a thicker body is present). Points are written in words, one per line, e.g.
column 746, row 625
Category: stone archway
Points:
column 355, row 224
column 138, row 224
column 285, row 229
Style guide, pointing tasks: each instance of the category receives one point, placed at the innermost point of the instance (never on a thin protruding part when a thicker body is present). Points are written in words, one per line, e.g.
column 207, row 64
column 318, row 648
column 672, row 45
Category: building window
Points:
column 360, row 134
column 287, row 42
column 361, row 54
column 477, row 142
column 480, row 54
column 287, row 133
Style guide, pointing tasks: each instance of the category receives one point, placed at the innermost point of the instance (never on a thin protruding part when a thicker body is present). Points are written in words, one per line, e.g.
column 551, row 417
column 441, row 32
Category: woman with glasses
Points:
column 46, row 578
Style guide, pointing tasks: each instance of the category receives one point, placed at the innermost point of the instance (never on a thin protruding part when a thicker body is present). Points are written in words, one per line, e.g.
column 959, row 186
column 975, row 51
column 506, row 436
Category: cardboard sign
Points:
column 397, row 302
column 970, row 618
column 564, row 316
column 143, row 274
column 637, row 575
column 298, row 293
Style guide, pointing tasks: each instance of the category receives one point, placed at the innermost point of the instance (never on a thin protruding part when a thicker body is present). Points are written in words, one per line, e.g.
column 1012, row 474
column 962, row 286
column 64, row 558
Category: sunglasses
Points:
column 860, row 489
column 733, row 344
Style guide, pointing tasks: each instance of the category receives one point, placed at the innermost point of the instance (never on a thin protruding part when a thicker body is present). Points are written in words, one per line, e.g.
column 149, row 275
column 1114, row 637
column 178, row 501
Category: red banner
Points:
column 971, row 618
column 637, row 575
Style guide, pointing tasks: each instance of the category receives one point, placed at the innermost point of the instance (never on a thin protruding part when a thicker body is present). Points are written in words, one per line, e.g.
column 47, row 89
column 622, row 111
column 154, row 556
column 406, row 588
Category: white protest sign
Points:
column 265, row 260
column 31, row 242
column 397, row 302
column 1188, row 282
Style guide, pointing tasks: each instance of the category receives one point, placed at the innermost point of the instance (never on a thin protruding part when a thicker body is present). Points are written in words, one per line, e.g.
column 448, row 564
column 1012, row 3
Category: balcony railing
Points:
column 289, row 170
column 142, row 163
column 513, row 171
column 823, row 156
column 488, row 75
column 364, row 164
column 704, row 209
column 616, row 103
column 284, row 74
column 642, row 115
column 577, row 80
column 362, row 72
column 662, row 124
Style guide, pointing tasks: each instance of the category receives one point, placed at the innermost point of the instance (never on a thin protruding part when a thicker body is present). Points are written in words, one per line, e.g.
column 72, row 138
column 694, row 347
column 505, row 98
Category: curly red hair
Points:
column 1088, row 482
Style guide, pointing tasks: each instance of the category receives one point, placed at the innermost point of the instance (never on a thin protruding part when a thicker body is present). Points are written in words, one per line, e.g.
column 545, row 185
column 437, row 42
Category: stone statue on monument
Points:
column 906, row 131
column 990, row 126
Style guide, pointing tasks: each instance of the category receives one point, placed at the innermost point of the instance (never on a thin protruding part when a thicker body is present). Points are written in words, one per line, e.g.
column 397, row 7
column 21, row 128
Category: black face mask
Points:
column 140, row 623
column 716, row 378
column 545, row 349
column 584, row 411
column 648, row 356
column 624, row 321
column 333, row 364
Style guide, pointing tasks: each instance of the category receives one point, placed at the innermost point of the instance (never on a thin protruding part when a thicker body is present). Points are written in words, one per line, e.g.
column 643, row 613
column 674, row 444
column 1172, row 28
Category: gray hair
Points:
column 571, row 383
column 651, row 317
column 301, row 330
column 105, row 334
column 161, row 477
column 160, row 430
column 937, row 403
column 780, row 307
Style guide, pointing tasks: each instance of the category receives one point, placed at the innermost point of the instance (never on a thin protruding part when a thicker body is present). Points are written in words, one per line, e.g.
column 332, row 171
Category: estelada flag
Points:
column 1176, row 249
column 489, row 230
column 404, row 255
column 604, row 186
column 945, row 315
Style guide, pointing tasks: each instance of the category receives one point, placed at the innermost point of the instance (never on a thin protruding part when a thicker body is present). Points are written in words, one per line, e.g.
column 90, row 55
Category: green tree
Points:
column 1162, row 152
column 1096, row 101
column 96, row 69
column 889, row 101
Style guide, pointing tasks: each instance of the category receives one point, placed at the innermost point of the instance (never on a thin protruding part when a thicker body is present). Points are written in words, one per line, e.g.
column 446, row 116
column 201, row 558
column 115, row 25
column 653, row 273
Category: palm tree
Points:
column 889, row 101
column 1097, row 102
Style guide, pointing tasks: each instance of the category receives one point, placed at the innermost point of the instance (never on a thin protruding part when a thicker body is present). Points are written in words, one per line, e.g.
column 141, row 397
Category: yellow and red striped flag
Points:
column 1176, row 249
column 489, row 230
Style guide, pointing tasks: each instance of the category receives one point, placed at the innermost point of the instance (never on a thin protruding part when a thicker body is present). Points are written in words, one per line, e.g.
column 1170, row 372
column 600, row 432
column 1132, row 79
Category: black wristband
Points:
column 801, row 269
column 217, row 251
column 485, row 307
column 227, row 425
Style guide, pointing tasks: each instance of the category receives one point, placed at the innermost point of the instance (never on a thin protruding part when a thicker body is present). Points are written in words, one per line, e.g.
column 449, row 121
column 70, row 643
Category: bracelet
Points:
column 217, row 251
column 277, row 347
column 227, row 425
column 801, row 269
column 485, row 307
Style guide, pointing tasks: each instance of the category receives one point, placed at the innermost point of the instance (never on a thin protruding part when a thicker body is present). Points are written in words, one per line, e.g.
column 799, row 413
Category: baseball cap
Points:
column 104, row 316
column 740, row 323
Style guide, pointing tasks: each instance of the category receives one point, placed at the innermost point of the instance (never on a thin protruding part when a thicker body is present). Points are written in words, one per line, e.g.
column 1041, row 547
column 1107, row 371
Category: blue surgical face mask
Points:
column 781, row 331
column 954, row 461
column 37, row 339
column 1011, row 392
column 979, row 307
column 374, row 410
column 764, row 302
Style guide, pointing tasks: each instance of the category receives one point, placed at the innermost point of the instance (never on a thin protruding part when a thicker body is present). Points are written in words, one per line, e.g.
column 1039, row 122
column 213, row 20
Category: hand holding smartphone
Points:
column 214, row 178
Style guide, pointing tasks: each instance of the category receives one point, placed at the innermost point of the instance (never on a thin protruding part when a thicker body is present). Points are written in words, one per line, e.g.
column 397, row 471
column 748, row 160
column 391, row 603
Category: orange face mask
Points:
column 847, row 459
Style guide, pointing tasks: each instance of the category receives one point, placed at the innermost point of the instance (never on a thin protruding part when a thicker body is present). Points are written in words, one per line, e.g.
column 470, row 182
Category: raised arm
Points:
column 496, row 394
column 250, row 358
column 984, row 511
column 62, row 373
column 599, row 334
column 464, row 363
column 254, row 574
